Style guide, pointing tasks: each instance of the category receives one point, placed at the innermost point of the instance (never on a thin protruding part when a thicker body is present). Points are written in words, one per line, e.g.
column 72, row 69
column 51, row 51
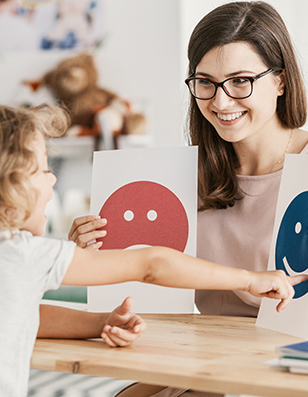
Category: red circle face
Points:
column 144, row 213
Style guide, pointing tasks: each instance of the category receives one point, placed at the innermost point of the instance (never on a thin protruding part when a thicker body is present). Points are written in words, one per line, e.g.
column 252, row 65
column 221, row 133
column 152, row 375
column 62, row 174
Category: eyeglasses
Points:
column 239, row 87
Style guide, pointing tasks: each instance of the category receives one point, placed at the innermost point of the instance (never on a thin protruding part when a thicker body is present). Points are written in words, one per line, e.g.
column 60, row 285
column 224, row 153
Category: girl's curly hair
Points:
column 18, row 129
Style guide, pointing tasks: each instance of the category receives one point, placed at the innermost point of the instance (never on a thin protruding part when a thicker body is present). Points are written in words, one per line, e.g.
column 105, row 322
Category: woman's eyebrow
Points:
column 237, row 73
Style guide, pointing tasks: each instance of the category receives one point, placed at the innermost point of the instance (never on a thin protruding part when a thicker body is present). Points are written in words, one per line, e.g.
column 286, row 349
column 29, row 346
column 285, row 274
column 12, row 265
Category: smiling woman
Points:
column 242, row 139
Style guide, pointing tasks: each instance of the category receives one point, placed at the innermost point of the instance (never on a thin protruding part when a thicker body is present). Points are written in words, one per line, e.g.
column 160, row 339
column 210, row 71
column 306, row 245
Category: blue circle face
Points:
column 292, row 241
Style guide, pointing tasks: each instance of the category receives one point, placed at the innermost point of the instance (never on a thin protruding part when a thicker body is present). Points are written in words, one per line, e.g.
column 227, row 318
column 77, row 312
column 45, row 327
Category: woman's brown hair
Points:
column 258, row 24
column 18, row 129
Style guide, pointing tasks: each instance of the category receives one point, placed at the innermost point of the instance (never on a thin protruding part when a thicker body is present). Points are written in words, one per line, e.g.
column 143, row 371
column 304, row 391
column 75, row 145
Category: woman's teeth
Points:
column 229, row 117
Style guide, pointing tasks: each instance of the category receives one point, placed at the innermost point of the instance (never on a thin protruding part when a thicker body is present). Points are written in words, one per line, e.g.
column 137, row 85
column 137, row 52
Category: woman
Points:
column 247, row 105
column 242, row 142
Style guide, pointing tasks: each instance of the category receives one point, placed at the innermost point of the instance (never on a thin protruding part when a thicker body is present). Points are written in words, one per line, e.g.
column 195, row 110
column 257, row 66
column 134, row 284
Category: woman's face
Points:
column 237, row 120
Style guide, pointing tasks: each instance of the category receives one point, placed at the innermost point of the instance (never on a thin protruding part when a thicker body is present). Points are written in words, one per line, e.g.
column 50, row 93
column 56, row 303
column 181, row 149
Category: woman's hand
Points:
column 123, row 327
column 86, row 229
column 274, row 285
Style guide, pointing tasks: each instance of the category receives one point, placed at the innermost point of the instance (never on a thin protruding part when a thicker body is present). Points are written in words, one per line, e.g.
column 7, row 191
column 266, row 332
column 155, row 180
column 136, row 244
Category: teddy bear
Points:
column 93, row 109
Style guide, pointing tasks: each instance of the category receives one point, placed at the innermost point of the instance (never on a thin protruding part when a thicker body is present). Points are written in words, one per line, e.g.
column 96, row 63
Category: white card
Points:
column 149, row 197
column 289, row 248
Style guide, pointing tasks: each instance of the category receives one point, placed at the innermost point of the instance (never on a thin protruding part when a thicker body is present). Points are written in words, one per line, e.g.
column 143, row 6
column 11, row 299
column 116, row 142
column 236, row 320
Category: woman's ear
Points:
column 282, row 83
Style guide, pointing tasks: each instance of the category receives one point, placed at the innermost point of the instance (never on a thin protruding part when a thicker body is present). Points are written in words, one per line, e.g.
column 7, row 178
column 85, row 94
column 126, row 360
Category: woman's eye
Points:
column 239, row 81
column 204, row 82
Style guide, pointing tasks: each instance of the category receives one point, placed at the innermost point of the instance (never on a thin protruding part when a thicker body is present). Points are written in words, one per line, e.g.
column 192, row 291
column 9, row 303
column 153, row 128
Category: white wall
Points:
column 142, row 55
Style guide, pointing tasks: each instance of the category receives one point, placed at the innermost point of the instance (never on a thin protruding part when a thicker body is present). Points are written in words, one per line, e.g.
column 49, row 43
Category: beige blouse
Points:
column 239, row 236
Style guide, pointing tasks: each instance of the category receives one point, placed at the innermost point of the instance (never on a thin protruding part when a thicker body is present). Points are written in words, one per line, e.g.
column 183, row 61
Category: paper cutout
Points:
column 149, row 197
column 144, row 213
column 291, row 253
column 289, row 248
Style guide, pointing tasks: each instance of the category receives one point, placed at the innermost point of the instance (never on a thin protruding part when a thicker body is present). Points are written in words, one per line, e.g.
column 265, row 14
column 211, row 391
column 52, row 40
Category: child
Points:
column 31, row 264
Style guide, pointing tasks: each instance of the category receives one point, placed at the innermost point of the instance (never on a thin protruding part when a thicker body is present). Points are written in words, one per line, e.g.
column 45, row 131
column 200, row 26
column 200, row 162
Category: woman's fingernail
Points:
column 102, row 232
column 103, row 221
column 96, row 217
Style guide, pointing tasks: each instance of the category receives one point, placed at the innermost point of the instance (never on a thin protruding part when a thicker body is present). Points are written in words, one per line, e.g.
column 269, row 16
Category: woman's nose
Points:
column 221, row 100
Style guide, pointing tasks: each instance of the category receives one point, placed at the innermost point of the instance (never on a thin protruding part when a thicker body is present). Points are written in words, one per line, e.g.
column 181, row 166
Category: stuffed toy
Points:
column 73, row 82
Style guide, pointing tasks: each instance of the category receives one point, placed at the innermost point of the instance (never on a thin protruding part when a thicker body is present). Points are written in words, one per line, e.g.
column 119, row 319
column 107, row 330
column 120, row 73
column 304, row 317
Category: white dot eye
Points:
column 152, row 215
column 128, row 215
column 298, row 228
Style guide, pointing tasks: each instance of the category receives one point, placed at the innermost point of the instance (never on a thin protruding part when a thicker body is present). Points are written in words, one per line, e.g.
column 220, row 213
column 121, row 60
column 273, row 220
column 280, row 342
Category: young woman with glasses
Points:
column 247, row 104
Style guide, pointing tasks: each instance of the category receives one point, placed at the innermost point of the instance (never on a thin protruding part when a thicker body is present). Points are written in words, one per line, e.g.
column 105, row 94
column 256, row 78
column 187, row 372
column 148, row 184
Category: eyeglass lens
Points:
column 238, row 87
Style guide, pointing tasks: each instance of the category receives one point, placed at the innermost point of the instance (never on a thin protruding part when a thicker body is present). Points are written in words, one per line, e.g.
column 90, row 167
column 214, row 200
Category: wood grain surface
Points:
column 206, row 353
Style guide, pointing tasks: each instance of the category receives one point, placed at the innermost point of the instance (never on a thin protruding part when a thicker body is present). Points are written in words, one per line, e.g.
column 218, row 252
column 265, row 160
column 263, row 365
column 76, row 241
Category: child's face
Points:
column 43, row 180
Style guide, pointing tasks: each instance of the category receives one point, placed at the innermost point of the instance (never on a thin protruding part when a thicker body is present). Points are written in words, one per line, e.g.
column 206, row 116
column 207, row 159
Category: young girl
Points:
column 31, row 264
column 248, row 102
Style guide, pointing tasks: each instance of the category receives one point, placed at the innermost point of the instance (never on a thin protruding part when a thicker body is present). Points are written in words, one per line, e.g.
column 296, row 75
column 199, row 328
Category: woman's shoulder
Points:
column 300, row 142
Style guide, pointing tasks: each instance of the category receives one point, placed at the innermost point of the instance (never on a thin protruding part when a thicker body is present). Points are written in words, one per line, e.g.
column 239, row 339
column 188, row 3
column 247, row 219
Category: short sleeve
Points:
column 47, row 259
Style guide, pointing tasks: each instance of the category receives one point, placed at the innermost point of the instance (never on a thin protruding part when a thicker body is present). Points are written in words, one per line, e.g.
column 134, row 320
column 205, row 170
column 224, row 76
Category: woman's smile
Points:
column 229, row 118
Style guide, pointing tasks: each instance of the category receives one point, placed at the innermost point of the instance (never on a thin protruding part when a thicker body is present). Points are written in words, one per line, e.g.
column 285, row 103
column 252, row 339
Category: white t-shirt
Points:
column 29, row 266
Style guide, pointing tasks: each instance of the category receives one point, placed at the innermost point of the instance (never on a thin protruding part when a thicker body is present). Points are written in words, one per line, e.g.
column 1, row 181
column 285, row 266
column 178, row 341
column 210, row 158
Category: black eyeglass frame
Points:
column 221, row 84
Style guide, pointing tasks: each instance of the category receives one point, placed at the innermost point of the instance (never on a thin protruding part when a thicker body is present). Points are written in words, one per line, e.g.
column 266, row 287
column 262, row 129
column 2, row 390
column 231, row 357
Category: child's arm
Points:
column 171, row 268
column 119, row 328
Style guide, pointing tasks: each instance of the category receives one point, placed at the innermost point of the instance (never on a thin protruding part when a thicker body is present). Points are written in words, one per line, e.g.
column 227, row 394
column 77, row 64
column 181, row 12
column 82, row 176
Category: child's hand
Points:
column 275, row 285
column 123, row 327
column 84, row 231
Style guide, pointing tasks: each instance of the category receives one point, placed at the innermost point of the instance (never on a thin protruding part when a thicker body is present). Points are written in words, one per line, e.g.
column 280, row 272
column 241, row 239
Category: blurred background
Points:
column 129, row 90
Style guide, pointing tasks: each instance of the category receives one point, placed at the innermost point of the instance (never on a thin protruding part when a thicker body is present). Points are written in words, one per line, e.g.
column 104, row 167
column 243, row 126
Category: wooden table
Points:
column 206, row 353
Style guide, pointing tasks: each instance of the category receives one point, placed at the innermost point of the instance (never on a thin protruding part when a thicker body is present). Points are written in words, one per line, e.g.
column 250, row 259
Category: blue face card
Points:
column 289, row 248
column 291, row 254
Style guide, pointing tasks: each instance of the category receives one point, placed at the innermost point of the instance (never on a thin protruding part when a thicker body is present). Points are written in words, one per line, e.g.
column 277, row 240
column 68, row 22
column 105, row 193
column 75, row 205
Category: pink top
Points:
column 240, row 237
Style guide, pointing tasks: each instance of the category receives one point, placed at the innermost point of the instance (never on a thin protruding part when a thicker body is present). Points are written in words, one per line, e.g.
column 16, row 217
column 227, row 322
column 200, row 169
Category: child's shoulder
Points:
column 22, row 241
column 38, row 253
column 16, row 244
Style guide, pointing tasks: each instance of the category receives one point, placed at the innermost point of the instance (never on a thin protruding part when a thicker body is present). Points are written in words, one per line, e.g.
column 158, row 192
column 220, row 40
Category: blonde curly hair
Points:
column 18, row 129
